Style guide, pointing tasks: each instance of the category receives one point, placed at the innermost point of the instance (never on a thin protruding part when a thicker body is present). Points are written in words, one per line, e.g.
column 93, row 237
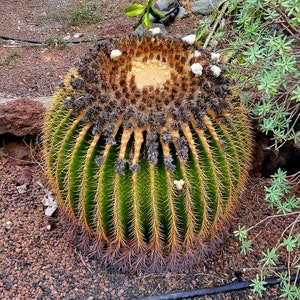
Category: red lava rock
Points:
column 21, row 117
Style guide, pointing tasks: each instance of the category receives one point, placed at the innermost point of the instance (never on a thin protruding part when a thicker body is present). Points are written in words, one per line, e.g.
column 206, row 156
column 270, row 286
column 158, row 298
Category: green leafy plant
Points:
column 135, row 10
column 11, row 57
column 259, row 41
column 55, row 41
column 147, row 148
column 289, row 241
column 258, row 285
column 85, row 13
column 263, row 40
column 71, row 14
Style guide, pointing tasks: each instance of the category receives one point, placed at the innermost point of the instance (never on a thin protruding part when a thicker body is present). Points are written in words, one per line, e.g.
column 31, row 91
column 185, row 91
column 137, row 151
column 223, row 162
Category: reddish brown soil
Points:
column 40, row 264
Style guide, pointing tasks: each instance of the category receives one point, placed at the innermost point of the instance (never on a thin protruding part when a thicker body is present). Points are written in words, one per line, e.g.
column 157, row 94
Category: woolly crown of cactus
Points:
column 147, row 149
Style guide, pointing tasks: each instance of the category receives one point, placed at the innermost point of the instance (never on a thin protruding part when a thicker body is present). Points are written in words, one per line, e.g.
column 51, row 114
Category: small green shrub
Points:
column 55, row 41
column 11, row 57
column 278, row 196
column 260, row 39
column 261, row 44
column 85, row 13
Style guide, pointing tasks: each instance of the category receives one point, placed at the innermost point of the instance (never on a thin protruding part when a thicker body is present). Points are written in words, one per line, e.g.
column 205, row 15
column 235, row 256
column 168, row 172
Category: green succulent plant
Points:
column 147, row 148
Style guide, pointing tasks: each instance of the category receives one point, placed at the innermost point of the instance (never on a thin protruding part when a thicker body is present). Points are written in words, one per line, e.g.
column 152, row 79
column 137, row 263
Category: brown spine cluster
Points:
column 105, row 93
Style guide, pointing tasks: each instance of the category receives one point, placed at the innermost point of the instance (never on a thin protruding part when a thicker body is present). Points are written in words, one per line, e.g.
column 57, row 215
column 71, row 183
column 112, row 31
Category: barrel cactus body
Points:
column 147, row 148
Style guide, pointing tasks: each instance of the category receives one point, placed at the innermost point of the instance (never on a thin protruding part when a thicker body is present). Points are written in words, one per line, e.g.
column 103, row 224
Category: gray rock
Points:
column 182, row 13
column 165, row 5
column 203, row 7
column 161, row 27
column 141, row 29
column 170, row 9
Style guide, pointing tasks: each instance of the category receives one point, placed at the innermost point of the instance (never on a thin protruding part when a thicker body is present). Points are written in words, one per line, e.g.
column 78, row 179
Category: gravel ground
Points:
column 38, row 263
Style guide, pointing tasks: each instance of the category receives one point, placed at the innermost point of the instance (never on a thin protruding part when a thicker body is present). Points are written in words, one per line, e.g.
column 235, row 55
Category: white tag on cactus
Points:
column 178, row 184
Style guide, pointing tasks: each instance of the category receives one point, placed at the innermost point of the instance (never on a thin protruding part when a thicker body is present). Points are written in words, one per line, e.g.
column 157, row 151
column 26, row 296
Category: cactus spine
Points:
column 147, row 149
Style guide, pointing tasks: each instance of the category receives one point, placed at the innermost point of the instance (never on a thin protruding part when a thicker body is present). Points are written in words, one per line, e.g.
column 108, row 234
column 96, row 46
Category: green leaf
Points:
column 269, row 257
column 204, row 24
column 291, row 7
column 295, row 136
column 279, row 176
column 254, row 53
column 258, row 285
column 134, row 10
column 232, row 6
column 290, row 292
column 267, row 125
column 285, row 64
column 146, row 20
column 262, row 109
column 289, row 243
column 283, row 278
column 269, row 82
column 296, row 94
column 241, row 233
column 155, row 13
column 246, row 246
column 283, row 208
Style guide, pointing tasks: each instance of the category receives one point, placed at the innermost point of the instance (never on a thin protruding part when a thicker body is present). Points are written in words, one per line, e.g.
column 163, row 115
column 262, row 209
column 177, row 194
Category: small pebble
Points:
column 22, row 188
column 8, row 225
column 203, row 7
column 155, row 30
column 178, row 184
column 190, row 39
column 77, row 35
column 197, row 53
column 67, row 37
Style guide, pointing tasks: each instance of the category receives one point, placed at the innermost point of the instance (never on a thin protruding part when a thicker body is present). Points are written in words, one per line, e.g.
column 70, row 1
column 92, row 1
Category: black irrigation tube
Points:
column 230, row 287
column 44, row 43
column 35, row 41
column 20, row 40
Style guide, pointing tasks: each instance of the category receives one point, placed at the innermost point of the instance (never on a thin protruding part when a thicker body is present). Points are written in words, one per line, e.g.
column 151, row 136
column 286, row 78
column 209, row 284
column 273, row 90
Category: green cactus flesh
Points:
column 147, row 148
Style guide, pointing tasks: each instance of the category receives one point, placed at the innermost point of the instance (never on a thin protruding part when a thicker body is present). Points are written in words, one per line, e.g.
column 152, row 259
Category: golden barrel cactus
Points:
column 147, row 148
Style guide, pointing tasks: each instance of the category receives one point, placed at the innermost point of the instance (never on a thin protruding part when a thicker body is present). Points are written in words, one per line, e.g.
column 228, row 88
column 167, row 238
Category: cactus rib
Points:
column 147, row 156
